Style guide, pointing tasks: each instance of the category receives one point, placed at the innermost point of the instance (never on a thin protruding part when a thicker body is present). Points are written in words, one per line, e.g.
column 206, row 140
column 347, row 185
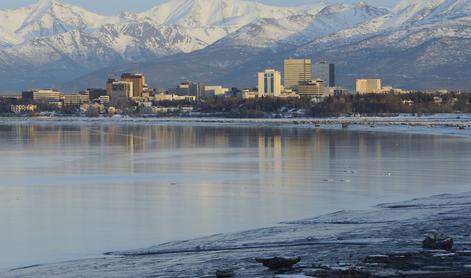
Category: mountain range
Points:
column 416, row 44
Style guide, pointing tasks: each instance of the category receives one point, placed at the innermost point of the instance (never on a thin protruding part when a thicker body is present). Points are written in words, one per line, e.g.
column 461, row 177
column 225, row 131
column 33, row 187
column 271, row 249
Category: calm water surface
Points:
column 75, row 191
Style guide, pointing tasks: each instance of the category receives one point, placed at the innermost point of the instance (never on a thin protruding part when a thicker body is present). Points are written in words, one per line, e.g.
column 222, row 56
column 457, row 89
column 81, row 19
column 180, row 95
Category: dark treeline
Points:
column 419, row 103
column 252, row 108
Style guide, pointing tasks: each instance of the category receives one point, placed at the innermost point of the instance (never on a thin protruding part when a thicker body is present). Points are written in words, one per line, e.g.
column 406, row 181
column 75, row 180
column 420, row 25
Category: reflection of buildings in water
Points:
column 343, row 149
column 27, row 133
column 134, row 139
column 307, row 153
column 36, row 135
column 270, row 155
column 137, row 148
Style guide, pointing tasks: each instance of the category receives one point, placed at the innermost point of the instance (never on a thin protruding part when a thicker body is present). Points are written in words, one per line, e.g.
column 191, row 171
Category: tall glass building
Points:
column 325, row 72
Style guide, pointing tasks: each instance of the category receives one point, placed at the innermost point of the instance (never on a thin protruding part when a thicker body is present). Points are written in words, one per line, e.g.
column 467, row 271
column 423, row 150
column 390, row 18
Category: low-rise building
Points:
column 190, row 89
column 58, row 104
column 173, row 97
column 339, row 91
column 165, row 110
column 368, row 86
column 76, row 99
column 10, row 98
column 288, row 93
column 46, row 96
column 95, row 94
column 141, row 104
column 104, row 99
column 215, row 91
column 312, row 89
column 20, row 108
column 248, row 94
column 391, row 89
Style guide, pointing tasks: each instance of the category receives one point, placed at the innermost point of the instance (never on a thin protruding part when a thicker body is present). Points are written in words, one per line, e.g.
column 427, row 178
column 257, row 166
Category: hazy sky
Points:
column 114, row 6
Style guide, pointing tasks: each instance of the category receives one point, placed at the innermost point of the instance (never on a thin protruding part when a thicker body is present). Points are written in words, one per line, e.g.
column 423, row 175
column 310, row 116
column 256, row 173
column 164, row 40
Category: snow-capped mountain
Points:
column 412, row 12
column 48, row 18
column 302, row 27
column 222, row 13
column 50, row 42
column 51, row 33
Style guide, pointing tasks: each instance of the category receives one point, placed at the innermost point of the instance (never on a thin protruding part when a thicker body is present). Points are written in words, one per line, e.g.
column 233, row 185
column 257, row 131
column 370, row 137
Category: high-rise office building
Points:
column 368, row 86
column 138, row 82
column 109, row 85
column 121, row 90
column 269, row 83
column 296, row 71
column 325, row 72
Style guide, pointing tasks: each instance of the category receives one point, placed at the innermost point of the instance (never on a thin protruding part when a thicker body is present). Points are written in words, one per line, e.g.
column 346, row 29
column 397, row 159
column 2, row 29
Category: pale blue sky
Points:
column 115, row 6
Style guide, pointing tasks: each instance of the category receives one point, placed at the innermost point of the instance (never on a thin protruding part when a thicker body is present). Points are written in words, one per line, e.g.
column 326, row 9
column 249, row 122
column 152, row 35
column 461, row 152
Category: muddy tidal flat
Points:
column 346, row 240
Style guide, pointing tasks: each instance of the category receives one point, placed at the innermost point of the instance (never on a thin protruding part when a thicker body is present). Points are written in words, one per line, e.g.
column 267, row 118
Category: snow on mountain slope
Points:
column 198, row 13
column 408, row 12
column 416, row 36
column 7, row 38
column 135, row 41
column 303, row 27
column 211, row 20
column 187, row 25
column 48, row 50
column 451, row 9
column 339, row 17
column 405, row 15
column 49, row 18
column 11, row 20
column 266, row 32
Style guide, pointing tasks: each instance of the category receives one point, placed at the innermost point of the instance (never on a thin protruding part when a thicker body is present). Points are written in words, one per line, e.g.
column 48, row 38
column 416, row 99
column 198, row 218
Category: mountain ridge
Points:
column 55, row 43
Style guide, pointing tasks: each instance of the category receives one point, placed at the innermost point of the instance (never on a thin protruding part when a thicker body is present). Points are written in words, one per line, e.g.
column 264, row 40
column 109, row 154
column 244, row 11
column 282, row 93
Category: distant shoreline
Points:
column 458, row 125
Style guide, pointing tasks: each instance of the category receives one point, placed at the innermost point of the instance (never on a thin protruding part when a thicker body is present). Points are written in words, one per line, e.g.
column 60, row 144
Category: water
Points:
column 70, row 192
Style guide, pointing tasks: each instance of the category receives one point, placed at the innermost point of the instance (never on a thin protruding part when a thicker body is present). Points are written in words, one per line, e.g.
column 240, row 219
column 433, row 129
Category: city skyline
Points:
column 41, row 40
column 110, row 7
column 235, row 138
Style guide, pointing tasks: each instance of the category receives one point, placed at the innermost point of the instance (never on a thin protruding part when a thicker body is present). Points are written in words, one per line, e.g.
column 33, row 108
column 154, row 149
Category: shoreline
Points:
column 188, row 248
column 338, row 240
column 456, row 125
